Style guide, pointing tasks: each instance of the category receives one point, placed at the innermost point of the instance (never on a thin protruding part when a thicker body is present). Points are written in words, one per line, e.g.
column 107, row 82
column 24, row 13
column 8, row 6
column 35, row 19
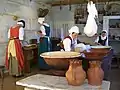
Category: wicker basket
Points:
column 30, row 46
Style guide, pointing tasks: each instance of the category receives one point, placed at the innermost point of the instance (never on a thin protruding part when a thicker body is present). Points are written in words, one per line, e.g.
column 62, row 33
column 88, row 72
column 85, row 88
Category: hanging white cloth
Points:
column 90, row 28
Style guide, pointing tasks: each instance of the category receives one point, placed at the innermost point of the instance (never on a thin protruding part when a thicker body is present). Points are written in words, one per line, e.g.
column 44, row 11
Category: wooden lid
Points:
column 60, row 54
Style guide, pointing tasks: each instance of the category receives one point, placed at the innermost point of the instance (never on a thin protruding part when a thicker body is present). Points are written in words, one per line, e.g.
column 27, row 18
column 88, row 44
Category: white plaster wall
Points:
column 26, row 10
column 66, row 15
column 62, row 20
column 2, row 53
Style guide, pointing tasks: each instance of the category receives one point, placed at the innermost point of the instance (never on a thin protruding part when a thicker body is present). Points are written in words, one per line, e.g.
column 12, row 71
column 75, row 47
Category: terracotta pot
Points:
column 96, row 54
column 75, row 74
column 95, row 73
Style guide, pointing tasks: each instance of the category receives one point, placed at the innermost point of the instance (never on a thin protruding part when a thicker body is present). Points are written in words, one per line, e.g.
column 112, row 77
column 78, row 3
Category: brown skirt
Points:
column 13, row 67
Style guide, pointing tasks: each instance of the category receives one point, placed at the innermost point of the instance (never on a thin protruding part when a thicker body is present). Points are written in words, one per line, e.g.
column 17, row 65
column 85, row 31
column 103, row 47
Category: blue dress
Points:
column 44, row 46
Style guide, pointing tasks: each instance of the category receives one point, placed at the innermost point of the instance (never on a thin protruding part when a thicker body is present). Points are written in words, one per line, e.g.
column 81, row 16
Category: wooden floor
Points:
column 9, row 82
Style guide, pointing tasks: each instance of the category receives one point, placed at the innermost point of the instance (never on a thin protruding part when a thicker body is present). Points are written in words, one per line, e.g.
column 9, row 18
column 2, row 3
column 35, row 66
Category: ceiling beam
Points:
column 67, row 2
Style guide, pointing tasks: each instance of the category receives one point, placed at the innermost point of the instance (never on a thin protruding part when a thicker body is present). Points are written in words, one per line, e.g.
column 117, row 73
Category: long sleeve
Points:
column 106, row 43
column 75, row 43
column 21, row 33
column 97, row 40
column 42, row 29
column 67, row 44
column 9, row 33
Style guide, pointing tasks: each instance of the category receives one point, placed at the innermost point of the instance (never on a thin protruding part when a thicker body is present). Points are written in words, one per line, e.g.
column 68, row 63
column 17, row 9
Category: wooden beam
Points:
column 67, row 2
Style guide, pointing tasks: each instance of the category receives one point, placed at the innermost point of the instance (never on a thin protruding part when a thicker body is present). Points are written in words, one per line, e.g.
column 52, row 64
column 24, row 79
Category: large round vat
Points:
column 60, row 59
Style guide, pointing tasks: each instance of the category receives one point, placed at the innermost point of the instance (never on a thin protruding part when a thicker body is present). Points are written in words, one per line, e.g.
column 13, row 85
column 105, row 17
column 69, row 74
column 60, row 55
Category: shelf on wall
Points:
column 114, row 28
column 111, row 40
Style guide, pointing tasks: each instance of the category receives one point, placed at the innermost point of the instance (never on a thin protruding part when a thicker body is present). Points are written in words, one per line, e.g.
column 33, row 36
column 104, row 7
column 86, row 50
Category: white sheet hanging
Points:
column 90, row 28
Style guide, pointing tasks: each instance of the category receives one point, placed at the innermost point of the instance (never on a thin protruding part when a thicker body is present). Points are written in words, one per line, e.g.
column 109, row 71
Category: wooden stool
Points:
column 2, row 75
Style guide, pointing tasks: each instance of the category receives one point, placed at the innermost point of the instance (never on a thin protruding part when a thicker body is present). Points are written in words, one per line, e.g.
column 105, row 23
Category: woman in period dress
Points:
column 70, row 41
column 102, row 39
column 14, row 53
column 44, row 44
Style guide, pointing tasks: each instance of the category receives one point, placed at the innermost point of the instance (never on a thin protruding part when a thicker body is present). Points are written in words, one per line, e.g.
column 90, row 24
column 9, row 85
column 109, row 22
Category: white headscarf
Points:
column 74, row 29
column 40, row 20
column 103, row 38
column 104, row 31
column 20, row 23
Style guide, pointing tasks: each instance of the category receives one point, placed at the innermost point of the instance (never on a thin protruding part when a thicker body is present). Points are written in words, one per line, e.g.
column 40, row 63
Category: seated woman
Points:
column 102, row 39
column 70, row 41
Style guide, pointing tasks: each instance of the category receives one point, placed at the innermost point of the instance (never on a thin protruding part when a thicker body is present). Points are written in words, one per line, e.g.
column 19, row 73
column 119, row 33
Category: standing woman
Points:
column 14, row 53
column 44, row 27
column 44, row 42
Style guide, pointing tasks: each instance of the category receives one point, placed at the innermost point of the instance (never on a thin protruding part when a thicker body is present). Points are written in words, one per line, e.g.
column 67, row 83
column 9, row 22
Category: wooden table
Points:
column 47, row 82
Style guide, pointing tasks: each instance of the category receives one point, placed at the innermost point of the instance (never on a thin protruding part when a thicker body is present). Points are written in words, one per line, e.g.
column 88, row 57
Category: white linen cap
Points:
column 74, row 29
column 40, row 20
column 104, row 31
column 20, row 23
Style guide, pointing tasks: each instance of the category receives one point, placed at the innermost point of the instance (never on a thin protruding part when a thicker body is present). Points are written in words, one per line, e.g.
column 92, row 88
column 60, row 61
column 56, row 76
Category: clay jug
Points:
column 95, row 73
column 75, row 74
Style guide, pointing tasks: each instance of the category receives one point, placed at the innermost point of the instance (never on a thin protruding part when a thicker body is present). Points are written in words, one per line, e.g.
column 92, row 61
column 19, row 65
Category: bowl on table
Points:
column 60, row 59
column 97, row 52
